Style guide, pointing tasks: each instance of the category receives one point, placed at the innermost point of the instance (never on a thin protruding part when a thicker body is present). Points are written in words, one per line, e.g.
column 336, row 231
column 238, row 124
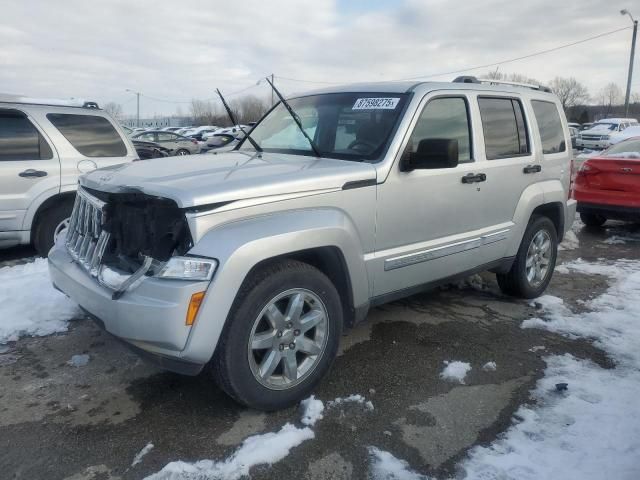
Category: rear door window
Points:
column 19, row 138
column 91, row 135
column 550, row 126
column 504, row 126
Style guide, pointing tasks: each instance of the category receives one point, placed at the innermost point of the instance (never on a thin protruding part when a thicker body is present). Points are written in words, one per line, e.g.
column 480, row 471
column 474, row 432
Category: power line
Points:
column 452, row 72
column 535, row 54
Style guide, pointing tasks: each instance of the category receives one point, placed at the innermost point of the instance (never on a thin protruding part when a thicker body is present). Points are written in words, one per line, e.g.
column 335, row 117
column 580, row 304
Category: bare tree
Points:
column 608, row 97
column 203, row 112
column 114, row 109
column 570, row 92
column 510, row 77
column 249, row 108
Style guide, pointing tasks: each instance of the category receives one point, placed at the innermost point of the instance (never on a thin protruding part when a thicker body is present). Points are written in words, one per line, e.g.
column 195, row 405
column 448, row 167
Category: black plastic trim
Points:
column 359, row 184
column 206, row 207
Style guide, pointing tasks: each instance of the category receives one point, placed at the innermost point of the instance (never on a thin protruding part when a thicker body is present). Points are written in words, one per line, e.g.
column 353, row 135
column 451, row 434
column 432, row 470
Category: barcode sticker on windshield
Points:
column 376, row 103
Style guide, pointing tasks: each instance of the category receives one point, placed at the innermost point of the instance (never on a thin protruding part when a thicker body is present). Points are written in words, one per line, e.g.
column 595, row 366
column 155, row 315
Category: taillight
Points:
column 587, row 169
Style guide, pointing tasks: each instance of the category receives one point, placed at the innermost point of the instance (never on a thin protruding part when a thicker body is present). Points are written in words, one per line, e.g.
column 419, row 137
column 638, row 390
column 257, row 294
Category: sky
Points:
column 173, row 51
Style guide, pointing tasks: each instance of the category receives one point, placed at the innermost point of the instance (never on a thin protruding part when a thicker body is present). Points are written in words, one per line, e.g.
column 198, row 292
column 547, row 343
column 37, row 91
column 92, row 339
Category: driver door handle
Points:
column 474, row 178
column 31, row 173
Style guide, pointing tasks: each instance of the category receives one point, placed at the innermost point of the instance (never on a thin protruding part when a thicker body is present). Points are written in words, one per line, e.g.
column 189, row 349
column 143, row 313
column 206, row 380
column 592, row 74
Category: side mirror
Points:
column 432, row 153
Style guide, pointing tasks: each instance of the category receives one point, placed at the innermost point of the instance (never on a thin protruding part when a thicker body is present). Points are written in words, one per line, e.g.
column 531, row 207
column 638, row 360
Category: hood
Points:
column 599, row 130
column 196, row 180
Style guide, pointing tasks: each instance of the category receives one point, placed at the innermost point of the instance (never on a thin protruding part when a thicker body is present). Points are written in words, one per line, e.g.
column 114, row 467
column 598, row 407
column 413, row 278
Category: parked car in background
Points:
column 573, row 131
column 220, row 140
column 629, row 132
column 147, row 150
column 44, row 148
column 251, row 265
column 170, row 129
column 585, row 126
column 201, row 134
column 598, row 135
column 127, row 130
column 607, row 186
column 177, row 144
column 574, row 125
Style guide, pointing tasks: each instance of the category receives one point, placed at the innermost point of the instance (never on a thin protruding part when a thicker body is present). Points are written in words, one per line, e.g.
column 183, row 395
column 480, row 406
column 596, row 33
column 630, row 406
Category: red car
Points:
column 608, row 185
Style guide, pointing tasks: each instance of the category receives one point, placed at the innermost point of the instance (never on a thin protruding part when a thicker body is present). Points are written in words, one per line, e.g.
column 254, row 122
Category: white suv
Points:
column 599, row 135
column 44, row 146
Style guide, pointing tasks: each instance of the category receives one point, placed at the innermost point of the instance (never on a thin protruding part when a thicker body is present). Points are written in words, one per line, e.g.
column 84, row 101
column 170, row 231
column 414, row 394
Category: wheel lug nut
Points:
column 292, row 345
column 296, row 332
column 279, row 334
column 289, row 325
column 281, row 347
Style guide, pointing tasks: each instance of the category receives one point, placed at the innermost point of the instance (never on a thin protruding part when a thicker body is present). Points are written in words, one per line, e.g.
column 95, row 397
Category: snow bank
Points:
column 455, row 371
column 138, row 458
column 264, row 449
column 592, row 430
column 312, row 410
column 29, row 305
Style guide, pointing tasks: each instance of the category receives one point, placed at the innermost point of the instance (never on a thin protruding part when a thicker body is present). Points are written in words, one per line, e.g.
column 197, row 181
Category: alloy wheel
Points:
column 538, row 258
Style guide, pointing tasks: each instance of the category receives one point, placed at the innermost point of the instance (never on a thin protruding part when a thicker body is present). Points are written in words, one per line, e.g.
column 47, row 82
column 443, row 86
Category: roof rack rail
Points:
column 490, row 81
column 55, row 102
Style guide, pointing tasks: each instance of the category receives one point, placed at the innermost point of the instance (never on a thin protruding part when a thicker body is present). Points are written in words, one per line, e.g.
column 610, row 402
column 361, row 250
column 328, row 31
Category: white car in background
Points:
column 632, row 131
column 597, row 137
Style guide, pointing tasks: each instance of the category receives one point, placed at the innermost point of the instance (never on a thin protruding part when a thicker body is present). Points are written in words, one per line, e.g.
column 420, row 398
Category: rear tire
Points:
column 48, row 223
column 183, row 151
column 264, row 312
column 533, row 266
column 593, row 219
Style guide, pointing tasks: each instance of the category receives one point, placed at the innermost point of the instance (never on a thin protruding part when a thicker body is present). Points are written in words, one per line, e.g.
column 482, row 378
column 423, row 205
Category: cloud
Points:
column 176, row 51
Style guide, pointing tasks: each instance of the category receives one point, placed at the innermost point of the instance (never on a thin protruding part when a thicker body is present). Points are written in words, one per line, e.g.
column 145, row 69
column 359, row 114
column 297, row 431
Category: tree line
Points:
column 579, row 105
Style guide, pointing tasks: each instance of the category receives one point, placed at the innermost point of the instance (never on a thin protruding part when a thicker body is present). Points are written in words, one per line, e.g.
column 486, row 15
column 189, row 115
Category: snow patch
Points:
column 264, row 449
column 29, row 305
column 490, row 367
column 138, row 458
column 570, row 241
column 591, row 430
column 312, row 410
column 356, row 398
column 455, row 371
column 78, row 360
column 384, row 466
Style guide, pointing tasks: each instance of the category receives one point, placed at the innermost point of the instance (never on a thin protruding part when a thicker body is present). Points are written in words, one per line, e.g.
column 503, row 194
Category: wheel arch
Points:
column 49, row 203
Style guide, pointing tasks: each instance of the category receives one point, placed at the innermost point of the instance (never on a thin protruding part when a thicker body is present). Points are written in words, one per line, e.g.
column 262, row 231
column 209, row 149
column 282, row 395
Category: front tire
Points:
column 281, row 336
column 593, row 219
column 533, row 266
column 183, row 151
column 49, row 223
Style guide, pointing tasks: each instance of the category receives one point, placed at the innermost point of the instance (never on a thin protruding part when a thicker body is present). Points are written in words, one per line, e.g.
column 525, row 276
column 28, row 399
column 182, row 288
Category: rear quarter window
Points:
column 91, row 135
column 550, row 126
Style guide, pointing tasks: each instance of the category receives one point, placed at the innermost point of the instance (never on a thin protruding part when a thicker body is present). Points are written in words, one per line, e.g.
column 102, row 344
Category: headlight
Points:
column 189, row 268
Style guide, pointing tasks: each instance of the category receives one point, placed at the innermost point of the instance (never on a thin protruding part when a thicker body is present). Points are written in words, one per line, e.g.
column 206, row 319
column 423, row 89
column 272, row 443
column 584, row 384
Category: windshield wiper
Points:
column 233, row 121
column 295, row 118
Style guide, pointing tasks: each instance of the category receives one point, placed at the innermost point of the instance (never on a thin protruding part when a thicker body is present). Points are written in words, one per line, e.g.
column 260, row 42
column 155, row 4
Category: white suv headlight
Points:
column 189, row 268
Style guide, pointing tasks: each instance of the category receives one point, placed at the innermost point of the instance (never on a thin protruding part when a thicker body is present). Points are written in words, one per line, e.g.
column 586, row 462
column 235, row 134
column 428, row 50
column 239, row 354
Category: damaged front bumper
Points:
column 150, row 317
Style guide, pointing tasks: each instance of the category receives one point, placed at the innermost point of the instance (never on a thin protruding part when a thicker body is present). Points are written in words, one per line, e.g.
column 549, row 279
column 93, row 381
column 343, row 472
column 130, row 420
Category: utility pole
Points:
column 137, row 106
column 272, row 89
column 633, row 51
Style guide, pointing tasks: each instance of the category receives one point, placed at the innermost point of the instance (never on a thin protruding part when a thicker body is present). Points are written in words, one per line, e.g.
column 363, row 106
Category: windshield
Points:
column 350, row 126
column 603, row 126
column 626, row 149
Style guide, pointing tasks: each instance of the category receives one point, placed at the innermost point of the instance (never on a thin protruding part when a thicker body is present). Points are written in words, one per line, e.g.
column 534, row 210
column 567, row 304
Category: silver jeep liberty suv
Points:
column 250, row 263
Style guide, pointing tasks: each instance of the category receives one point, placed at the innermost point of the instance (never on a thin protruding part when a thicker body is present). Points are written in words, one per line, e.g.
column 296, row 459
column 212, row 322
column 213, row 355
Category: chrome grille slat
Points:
column 86, row 241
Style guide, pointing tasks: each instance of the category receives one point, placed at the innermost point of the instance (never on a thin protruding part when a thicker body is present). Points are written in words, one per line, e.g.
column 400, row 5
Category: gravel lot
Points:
column 88, row 422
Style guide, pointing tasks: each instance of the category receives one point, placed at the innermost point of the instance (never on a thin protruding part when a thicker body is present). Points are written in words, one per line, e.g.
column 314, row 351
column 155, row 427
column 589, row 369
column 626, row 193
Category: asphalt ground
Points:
column 63, row 422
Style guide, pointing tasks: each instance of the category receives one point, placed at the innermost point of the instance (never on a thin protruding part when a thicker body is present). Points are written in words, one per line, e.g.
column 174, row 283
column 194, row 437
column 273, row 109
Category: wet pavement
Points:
column 62, row 421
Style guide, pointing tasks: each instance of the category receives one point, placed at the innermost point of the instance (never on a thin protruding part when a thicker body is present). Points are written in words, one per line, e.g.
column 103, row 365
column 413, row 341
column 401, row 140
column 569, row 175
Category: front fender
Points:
column 239, row 246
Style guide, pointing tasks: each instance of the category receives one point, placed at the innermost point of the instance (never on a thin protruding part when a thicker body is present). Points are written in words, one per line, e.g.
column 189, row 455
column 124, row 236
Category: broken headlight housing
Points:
column 188, row 268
